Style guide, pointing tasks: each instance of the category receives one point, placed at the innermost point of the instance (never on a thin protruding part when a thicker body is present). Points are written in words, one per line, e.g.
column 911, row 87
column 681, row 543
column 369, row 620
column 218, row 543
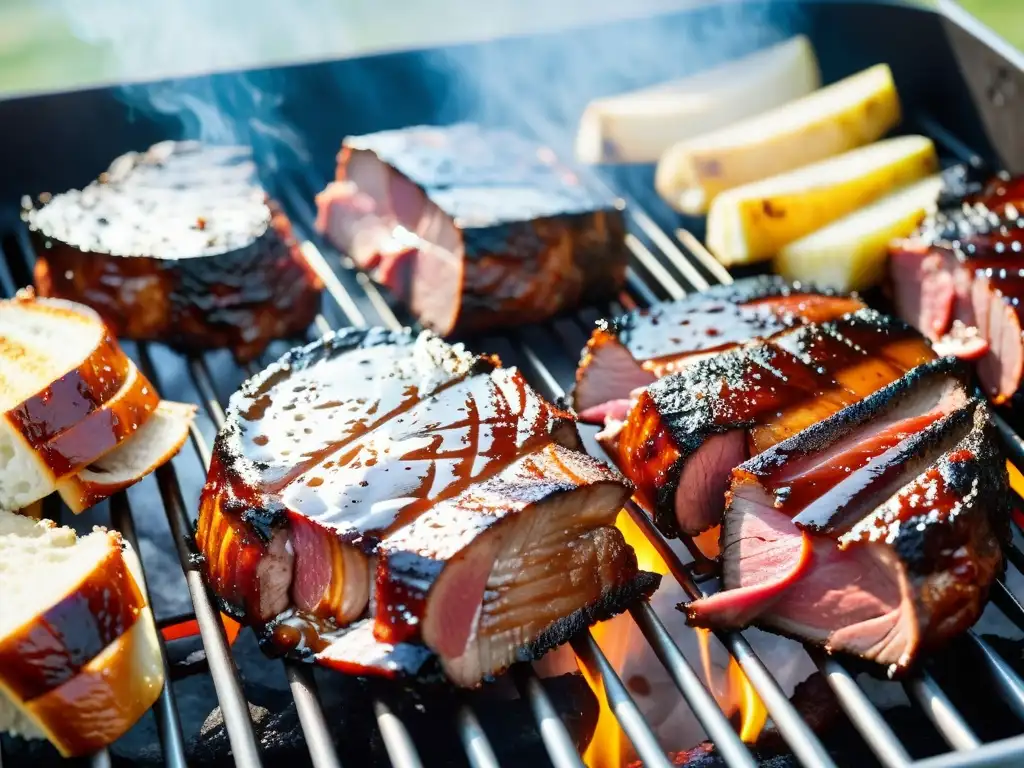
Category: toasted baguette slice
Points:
column 850, row 254
column 753, row 222
column 64, row 600
column 637, row 127
column 58, row 365
column 835, row 119
column 153, row 445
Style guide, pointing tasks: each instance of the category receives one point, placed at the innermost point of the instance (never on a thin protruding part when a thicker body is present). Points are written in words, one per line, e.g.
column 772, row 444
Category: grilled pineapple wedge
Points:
column 850, row 254
column 754, row 222
column 837, row 118
column 637, row 127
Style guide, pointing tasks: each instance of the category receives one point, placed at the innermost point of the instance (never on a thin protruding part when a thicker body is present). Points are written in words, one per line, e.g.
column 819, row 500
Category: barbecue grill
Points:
column 959, row 84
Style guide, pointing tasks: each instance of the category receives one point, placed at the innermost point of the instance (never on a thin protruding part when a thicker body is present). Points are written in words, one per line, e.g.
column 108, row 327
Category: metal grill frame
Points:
column 662, row 265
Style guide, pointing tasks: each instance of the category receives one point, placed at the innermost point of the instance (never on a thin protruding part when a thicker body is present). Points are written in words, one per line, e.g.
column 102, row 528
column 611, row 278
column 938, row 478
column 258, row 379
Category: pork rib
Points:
column 177, row 244
column 875, row 532
column 472, row 228
column 647, row 344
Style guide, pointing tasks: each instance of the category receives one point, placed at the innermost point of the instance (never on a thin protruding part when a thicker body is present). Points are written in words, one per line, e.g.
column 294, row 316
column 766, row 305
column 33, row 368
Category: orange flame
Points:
column 608, row 748
column 733, row 691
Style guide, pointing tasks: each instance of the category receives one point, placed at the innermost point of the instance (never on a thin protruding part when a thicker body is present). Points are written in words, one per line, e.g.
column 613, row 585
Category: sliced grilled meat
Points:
column 647, row 344
column 177, row 244
column 875, row 532
column 529, row 545
column 959, row 281
column 380, row 458
column 472, row 228
column 685, row 433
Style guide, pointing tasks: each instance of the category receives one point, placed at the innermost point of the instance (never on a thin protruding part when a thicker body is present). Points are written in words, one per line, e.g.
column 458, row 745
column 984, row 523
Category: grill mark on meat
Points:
column 768, row 391
column 472, row 228
column 178, row 244
column 651, row 343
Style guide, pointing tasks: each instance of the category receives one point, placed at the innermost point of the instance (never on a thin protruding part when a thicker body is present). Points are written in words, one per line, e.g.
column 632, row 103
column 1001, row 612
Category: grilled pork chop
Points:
column 875, row 532
column 177, row 244
column 647, row 344
column 472, row 228
column 682, row 436
column 383, row 464
column 959, row 281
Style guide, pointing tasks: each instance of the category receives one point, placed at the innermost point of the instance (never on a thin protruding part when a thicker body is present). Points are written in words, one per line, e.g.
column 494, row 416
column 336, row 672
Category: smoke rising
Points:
column 528, row 81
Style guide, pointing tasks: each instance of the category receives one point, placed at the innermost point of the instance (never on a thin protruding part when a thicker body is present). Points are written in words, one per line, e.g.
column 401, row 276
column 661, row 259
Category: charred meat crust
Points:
column 612, row 603
column 241, row 294
column 743, row 291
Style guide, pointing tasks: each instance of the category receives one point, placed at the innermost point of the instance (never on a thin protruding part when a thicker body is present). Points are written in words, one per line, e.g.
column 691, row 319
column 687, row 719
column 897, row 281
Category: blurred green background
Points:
column 56, row 44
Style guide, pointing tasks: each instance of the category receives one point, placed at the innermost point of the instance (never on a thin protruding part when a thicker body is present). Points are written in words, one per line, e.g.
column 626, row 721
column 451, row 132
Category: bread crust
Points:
column 60, row 641
column 107, row 697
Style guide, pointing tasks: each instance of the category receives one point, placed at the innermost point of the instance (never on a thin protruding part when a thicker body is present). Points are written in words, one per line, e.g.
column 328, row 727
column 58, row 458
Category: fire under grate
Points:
column 662, row 266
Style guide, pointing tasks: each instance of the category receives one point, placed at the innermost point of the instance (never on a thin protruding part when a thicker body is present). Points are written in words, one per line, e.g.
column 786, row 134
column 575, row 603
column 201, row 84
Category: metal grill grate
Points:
column 662, row 266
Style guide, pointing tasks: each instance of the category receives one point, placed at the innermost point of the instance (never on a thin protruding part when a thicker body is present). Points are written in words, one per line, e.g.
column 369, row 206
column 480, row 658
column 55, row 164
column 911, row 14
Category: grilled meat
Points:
column 472, row 228
column 875, row 532
column 683, row 435
column 178, row 244
column 959, row 281
column 387, row 464
column 650, row 343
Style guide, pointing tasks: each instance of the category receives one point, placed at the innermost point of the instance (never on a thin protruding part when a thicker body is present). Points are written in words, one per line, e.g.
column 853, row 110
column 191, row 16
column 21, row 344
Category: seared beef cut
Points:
column 397, row 480
column 875, row 532
column 647, row 344
column 472, row 228
column 960, row 281
column 683, row 435
column 177, row 244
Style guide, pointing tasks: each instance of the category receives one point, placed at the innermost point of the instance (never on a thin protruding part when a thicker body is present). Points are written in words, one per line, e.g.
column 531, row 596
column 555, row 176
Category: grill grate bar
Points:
column 1009, row 685
column 474, row 740
column 655, row 267
column 168, row 721
column 696, row 248
column 227, row 685
column 704, row 706
column 311, row 716
column 626, row 711
column 941, row 712
column 553, row 733
column 101, row 759
column 397, row 740
column 862, row 713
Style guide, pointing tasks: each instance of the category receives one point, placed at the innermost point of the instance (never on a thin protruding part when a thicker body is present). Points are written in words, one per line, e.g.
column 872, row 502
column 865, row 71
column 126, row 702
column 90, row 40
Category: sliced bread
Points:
column 58, row 364
column 75, row 631
column 104, row 429
column 153, row 445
